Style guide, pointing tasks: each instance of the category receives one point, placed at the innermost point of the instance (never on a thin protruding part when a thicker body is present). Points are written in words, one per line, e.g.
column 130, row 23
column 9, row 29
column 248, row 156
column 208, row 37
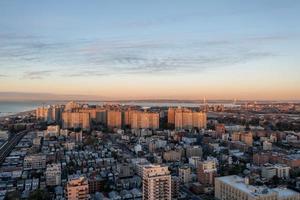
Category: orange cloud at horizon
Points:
column 179, row 86
column 128, row 93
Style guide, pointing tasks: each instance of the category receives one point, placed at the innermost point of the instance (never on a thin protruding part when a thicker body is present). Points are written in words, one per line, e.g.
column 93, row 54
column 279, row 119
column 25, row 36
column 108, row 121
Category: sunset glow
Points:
column 177, row 50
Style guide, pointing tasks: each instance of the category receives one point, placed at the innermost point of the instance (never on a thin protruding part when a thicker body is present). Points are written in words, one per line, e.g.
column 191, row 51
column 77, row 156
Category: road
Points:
column 123, row 147
column 8, row 146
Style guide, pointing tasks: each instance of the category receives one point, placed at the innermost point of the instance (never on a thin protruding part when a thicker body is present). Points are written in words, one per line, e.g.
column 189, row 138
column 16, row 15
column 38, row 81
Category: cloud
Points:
column 36, row 74
column 117, row 56
column 271, row 38
column 83, row 73
column 148, row 57
column 46, row 97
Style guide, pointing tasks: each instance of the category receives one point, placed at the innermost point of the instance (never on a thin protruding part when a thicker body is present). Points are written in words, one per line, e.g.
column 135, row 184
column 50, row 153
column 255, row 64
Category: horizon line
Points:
column 44, row 96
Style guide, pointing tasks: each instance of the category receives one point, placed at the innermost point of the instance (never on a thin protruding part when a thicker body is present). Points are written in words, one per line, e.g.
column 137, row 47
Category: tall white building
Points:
column 156, row 183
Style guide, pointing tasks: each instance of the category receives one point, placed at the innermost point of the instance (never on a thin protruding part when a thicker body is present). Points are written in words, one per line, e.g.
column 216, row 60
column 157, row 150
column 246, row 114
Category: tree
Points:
column 275, row 180
column 91, row 140
column 237, row 169
column 39, row 194
column 15, row 195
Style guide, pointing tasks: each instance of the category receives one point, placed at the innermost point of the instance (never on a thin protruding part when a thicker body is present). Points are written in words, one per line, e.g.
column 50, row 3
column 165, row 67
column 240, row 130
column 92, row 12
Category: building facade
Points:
column 188, row 119
column 77, row 189
column 184, row 174
column 156, row 183
column 114, row 119
column 144, row 120
column 206, row 172
column 76, row 120
column 238, row 188
column 37, row 161
column 53, row 175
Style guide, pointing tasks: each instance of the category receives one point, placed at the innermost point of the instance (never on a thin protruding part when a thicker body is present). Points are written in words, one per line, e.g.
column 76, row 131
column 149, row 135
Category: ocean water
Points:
column 10, row 108
column 13, row 107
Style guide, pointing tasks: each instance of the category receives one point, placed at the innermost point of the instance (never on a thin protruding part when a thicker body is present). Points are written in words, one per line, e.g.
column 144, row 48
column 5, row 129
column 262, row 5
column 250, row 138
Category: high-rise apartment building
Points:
column 49, row 113
column 199, row 120
column 114, row 119
column 101, row 116
column 91, row 111
column 178, row 120
column 75, row 120
column 42, row 113
column 97, row 114
column 77, row 189
column 71, row 105
column 127, row 117
column 188, row 119
column 156, row 183
column 171, row 116
column 144, row 120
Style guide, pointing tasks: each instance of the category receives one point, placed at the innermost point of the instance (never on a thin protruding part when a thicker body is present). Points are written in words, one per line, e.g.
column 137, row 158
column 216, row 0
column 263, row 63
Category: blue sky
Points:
column 151, row 49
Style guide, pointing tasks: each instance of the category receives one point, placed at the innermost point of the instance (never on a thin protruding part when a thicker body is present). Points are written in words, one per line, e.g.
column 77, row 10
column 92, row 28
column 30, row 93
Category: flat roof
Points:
column 238, row 182
column 285, row 192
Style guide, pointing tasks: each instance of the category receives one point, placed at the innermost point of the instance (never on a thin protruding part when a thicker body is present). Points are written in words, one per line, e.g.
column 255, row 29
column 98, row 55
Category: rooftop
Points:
column 284, row 192
column 239, row 183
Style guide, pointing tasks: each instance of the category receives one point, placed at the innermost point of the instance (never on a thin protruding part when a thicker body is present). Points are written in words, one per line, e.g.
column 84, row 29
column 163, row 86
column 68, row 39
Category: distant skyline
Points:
column 140, row 49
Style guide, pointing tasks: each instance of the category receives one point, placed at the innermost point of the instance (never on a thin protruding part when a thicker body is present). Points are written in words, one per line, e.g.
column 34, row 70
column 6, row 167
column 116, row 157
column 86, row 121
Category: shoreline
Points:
column 16, row 114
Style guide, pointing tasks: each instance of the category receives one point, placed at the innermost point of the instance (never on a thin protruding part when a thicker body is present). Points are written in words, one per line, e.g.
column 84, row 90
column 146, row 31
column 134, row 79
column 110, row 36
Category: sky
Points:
column 158, row 49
